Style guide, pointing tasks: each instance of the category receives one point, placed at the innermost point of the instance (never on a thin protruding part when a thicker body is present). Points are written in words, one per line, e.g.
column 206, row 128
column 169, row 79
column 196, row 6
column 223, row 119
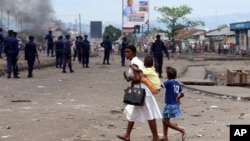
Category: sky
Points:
column 109, row 11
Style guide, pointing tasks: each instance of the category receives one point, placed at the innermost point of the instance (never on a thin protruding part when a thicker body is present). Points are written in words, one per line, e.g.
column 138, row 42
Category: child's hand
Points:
column 178, row 101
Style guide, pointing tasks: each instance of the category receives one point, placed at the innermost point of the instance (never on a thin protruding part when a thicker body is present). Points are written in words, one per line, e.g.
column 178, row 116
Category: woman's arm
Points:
column 137, row 73
column 134, row 67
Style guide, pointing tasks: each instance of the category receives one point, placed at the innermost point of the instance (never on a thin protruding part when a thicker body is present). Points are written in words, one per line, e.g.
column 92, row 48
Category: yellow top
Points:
column 152, row 76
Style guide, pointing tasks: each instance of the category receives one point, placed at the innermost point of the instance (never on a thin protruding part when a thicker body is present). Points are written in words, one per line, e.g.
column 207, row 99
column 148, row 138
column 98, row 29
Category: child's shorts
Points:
column 171, row 111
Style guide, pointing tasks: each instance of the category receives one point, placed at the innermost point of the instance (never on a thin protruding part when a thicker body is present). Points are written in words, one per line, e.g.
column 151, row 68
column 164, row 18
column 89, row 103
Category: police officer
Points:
column 16, row 69
column 50, row 49
column 59, row 52
column 11, row 50
column 30, row 55
column 85, row 51
column 1, row 42
column 124, row 44
column 67, row 54
column 157, row 50
column 107, row 45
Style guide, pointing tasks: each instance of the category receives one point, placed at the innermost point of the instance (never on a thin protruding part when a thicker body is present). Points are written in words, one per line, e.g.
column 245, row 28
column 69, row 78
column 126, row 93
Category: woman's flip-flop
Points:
column 162, row 139
column 122, row 138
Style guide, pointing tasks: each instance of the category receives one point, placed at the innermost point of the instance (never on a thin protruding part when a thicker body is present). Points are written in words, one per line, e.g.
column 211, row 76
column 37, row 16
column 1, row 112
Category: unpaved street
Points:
column 87, row 106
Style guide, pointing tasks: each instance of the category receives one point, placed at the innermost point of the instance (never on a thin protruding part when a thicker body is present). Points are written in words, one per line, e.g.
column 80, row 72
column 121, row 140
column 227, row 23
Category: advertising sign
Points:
column 96, row 29
column 134, row 12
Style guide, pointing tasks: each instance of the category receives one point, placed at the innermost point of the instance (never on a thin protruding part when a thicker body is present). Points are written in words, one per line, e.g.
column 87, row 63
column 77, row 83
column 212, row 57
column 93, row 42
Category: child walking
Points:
column 171, row 109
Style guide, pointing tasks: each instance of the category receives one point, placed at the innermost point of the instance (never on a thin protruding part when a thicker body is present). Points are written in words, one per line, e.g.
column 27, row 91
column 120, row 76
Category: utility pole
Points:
column 8, row 12
column 142, row 42
column 16, row 22
column 122, row 17
column 19, row 21
column 75, row 25
column 148, row 16
column 80, row 30
column 1, row 17
column 148, row 26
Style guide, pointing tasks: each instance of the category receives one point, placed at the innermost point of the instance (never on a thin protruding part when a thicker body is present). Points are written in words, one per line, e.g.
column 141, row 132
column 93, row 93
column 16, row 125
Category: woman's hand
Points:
column 136, row 81
column 125, row 76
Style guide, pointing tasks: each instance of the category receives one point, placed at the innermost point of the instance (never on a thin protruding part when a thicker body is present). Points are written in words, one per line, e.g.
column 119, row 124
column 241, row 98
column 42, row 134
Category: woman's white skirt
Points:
column 149, row 111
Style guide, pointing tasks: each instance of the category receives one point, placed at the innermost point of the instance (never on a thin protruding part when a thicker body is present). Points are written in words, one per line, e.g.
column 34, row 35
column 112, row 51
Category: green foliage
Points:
column 113, row 33
column 175, row 19
column 131, row 38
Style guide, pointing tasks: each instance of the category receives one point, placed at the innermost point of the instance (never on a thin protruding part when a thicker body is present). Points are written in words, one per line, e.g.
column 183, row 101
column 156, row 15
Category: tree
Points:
column 113, row 33
column 131, row 37
column 175, row 19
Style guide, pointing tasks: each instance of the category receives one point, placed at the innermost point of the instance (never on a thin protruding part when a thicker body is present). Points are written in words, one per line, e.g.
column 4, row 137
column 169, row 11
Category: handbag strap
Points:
column 132, row 84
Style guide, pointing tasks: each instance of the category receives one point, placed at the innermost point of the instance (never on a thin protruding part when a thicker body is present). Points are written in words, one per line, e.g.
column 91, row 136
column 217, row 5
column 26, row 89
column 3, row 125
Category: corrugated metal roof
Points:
column 220, row 31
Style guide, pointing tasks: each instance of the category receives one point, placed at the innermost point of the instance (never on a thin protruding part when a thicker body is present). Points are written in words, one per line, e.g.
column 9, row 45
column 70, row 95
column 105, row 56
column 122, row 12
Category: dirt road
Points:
column 87, row 106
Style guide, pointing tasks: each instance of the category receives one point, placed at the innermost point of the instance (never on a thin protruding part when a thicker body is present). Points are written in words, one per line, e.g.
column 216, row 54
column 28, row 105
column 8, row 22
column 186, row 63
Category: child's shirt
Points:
column 173, row 89
column 152, row 76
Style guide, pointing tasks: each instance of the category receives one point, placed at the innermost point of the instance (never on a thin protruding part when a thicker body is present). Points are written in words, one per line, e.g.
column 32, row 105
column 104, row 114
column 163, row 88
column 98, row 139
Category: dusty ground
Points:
column 87, row 105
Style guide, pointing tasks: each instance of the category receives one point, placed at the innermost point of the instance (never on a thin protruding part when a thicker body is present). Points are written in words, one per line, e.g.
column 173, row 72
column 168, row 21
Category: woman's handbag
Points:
column 134, row 96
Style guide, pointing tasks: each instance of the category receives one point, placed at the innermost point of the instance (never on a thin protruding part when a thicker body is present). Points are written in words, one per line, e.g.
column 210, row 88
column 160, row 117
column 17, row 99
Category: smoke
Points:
column 27, row 15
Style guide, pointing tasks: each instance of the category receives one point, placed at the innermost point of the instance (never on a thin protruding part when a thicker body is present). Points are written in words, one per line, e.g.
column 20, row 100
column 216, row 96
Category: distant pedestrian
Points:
column 145, row 47
column 78, row 45
column 171, row 109
column 39, row 47
column 67, row 54
column 49, row 38
column 30, row 55
column 59, row 51
column 124, row 44
column 85, row 52
column 177, row 50
column 157, row 50
column 107, row 45
column 75, row 48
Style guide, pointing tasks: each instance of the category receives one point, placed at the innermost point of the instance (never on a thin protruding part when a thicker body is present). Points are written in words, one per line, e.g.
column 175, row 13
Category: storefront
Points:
column 242, row 35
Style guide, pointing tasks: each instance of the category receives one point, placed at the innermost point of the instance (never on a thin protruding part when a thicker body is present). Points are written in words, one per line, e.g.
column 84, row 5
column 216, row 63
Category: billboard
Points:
column 134, row 12
column 96, row 29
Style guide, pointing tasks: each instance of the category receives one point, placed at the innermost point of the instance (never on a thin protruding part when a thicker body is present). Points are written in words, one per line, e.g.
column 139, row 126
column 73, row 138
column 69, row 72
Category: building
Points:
column 220, row 36
column 242, row 35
